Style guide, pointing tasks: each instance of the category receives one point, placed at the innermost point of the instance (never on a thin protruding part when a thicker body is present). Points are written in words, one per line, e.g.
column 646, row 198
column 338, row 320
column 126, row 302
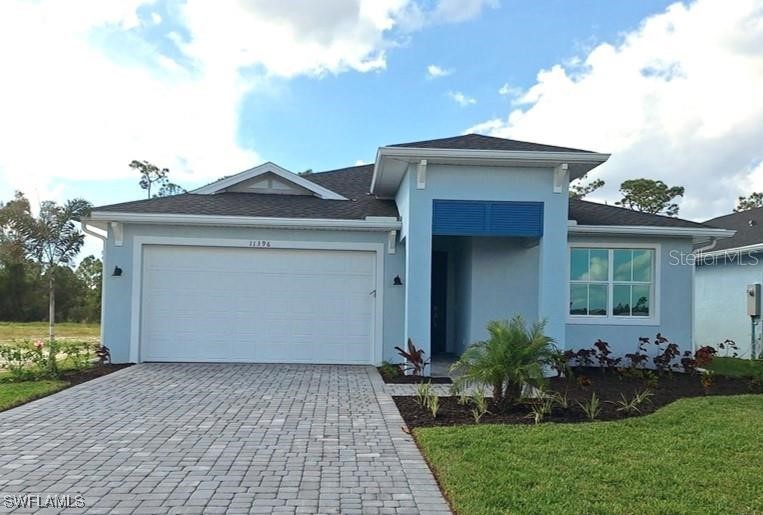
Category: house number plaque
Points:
column 259, row 244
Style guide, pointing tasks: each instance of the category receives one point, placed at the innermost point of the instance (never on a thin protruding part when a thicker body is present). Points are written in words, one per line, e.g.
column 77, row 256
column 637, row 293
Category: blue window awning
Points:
column 487, row 218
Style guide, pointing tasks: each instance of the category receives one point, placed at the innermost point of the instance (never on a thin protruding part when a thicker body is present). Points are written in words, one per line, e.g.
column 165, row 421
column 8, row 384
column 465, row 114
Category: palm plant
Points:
column 53, row 240
column 513, row 355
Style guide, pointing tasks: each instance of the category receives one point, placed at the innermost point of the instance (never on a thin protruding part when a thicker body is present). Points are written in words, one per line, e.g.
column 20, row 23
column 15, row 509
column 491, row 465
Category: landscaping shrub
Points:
column 414, row 359
column 24, row 361
column 389, row 370
column 512, row 357
column 27, row 360
column 666, row 356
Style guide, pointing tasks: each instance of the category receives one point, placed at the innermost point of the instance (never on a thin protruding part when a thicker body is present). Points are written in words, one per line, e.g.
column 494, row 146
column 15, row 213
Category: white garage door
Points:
column 257, row 305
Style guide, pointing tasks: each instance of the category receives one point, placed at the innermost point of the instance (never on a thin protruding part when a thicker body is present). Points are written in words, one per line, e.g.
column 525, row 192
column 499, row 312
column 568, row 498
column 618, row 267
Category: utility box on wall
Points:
column 753, row 300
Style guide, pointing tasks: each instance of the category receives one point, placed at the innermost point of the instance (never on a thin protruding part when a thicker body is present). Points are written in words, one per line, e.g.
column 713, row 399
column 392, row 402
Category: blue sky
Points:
column 211, row 88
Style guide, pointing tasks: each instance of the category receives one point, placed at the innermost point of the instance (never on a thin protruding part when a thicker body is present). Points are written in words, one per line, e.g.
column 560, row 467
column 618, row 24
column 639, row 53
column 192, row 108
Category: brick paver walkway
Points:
column 208, row 438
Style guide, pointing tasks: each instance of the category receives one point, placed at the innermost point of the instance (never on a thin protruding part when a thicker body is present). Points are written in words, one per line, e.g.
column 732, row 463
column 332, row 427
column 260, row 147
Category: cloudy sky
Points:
column 673, row 90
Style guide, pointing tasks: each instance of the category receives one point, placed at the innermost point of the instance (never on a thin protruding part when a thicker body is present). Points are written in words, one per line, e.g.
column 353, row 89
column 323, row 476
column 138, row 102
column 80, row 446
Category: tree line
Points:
column 653, row 196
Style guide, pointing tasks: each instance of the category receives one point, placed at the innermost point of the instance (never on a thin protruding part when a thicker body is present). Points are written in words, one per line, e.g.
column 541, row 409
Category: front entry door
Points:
column 439, row 301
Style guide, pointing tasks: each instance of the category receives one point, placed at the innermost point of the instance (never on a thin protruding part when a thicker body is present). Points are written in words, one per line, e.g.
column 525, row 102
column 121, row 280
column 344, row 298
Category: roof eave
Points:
column 367, row 224
column 698, row 234
column 385, row 182
column 757, row 247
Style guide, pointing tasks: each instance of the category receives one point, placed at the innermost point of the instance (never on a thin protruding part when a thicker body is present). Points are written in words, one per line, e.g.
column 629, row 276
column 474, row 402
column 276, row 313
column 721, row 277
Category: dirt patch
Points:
column 81, row 376
column 608, row 387
column 404, row 379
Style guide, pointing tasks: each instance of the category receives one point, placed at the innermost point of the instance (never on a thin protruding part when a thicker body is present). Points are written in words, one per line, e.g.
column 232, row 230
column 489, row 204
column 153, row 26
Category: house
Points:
column 724, row 272
column 432, row 241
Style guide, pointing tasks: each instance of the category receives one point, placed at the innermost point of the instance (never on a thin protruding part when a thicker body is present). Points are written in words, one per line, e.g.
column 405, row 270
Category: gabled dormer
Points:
column 269, row 179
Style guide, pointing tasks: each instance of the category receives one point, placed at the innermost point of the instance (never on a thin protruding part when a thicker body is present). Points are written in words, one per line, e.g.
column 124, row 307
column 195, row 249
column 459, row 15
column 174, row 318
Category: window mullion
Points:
column 610, row 280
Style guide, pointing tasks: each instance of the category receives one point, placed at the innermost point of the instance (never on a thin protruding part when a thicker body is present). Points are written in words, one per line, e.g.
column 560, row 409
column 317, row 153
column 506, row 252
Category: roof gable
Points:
column 269, row 178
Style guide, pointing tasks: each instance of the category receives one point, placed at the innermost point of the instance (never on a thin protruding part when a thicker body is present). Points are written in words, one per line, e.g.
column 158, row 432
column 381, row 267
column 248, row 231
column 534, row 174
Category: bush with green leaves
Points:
column 389, row 370
column 23, row 361
column 77, row 355
column 513, row 355
column 27, row 360
column 591, row 408
column 479, row 401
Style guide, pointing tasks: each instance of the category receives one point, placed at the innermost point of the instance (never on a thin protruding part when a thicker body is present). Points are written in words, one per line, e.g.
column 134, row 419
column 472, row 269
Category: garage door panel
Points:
column 267, row 305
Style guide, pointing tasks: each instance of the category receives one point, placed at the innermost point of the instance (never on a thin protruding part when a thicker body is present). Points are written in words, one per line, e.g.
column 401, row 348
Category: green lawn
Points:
column 701, row 455
column 14, row 394
column 735, row 367
column 18, row 331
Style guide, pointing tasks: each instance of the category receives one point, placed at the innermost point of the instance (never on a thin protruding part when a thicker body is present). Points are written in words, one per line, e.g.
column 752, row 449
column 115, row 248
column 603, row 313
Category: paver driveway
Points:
column 208, row 438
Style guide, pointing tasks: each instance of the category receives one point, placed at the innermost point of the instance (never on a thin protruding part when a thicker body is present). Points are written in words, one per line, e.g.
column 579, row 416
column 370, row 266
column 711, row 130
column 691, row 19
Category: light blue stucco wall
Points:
column 117, row 292
column 676, row 305
column 505, row 277
column 721, row 301
column 452, row 182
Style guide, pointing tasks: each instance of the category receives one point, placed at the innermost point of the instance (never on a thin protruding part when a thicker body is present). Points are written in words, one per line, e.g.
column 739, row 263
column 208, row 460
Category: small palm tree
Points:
column 513, row 356
column 53, row 240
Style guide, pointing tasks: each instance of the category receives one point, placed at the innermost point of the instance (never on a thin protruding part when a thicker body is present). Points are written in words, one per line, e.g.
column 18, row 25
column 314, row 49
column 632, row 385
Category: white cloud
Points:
column 454, row 11
column 291, row 38
column 510, row 91
column 86, row 90
column 360, row 162
column 678, row 99
column 435, row 72
column 487, row 127
column 461, row 99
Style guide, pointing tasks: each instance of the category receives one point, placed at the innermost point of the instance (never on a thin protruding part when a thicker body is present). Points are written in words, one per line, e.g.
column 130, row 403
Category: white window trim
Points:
column 652, row 320
column 377, row 329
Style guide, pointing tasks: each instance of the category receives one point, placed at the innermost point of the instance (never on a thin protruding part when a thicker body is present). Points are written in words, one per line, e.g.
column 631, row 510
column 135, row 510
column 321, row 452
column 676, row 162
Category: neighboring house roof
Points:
column 481, row 142
column 747, row 224
column 592, row 213
column 352, row 183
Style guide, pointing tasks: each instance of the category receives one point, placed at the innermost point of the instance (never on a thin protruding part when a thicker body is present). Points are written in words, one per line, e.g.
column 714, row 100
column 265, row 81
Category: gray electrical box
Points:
column 753, row 300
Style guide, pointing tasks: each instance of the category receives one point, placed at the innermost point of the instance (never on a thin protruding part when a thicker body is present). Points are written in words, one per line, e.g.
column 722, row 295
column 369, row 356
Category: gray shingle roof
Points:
column 592, row 213
column 748, row 225
column 353, row 183
column 481, row 142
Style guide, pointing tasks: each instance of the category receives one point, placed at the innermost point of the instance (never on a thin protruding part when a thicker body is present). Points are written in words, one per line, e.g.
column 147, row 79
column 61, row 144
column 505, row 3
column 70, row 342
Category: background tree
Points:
column 650, row 196
column 580, row 189
column 754, row 200
column 23, row 287
column 89, row 275
column 170, row 188
column 15, row 285
column 52, row 240
column 152, row 176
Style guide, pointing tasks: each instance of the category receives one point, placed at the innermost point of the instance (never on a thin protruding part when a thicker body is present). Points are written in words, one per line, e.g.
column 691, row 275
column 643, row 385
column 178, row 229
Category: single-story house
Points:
column 430, row 242
column 724, row 273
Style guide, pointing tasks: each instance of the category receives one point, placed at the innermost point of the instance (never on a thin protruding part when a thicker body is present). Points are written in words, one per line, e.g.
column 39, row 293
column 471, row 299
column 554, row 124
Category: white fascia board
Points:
column 246, row 221
column 583, row 161
column 448, row 154
column 269, row 167
column 758, row 247
column 697, row 233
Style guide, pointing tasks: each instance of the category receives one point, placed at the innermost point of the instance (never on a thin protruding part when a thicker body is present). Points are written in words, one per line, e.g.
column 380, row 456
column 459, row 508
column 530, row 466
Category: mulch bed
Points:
column 608, row 386
column 74, row 377
column 404, row 379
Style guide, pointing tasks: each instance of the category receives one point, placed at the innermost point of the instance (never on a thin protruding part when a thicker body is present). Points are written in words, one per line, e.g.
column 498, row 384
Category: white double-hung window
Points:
column 615, row 284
